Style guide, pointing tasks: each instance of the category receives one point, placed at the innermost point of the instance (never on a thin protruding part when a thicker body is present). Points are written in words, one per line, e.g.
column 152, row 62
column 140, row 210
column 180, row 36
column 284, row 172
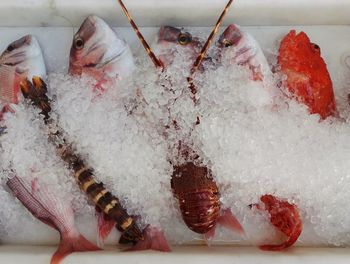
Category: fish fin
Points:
column 70, row 244
column 99, row 87
column 228, row 220
column 8, row 88
column 208, row 237
column 104, row 227
column 5, row 109
column 154, row 239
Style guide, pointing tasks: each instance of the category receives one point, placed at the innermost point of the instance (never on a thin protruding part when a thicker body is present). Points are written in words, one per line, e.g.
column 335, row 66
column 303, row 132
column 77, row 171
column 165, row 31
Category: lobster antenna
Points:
column 148, row 49
column 209, row 40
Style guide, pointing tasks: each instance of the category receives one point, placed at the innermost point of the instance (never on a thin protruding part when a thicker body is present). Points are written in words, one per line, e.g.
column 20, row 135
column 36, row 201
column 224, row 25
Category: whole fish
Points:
column 199, row 201
column 99, row 52
column 242, row 49
column 99, row 44
column 21, row 60
column 308, row 79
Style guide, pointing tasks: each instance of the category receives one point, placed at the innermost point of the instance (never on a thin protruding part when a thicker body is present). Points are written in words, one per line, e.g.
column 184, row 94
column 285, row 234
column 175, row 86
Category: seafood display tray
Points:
column 55, row 38
column 56, row 41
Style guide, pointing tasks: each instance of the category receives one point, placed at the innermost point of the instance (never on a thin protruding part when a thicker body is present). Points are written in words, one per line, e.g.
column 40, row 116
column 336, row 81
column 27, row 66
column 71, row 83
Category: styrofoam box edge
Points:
column 189, row 254
column 179, row 13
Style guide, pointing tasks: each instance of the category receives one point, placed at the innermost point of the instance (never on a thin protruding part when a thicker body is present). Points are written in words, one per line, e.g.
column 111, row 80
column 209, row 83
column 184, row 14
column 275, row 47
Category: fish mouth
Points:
column 231, row 36
column 75, row 69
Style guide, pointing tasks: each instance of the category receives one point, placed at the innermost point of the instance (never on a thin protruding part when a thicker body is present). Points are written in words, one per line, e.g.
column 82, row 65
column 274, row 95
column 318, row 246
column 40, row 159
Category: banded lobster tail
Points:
column 36, row 93
column 199, row 201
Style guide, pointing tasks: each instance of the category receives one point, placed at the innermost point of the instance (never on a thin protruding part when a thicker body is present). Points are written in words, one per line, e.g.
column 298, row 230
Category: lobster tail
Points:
column 36, row 93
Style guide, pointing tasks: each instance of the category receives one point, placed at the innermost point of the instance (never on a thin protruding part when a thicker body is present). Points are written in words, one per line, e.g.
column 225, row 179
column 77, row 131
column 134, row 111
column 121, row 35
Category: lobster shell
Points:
column 198, row 196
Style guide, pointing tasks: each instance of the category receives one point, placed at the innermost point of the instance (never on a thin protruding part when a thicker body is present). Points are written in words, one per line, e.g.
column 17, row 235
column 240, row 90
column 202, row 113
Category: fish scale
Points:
column 7, row 77
column 40, row 207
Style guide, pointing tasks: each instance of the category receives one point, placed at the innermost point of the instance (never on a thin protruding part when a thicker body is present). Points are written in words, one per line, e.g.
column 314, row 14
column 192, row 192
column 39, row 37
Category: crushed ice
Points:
column 253, row 143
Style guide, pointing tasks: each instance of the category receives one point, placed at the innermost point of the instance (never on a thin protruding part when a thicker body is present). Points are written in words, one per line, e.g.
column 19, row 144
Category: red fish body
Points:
column 58, row 214
column 308, row 79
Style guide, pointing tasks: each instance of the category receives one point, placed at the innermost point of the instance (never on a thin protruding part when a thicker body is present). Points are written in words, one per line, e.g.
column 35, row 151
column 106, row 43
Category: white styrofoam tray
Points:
column 55, row 41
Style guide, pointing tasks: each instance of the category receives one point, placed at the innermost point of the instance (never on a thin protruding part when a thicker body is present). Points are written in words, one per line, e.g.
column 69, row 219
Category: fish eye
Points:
column 184, row 38
column 227, row 43
column 316, row 47
column 79, row 43
column 10, row 48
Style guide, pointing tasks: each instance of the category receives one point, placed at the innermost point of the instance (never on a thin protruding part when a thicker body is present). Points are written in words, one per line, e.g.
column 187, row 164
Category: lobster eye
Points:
column 184, row 38
column 79, row 43
column 227, row 43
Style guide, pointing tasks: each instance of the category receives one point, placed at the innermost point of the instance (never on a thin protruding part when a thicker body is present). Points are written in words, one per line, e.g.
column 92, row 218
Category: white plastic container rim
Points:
column 16, row 14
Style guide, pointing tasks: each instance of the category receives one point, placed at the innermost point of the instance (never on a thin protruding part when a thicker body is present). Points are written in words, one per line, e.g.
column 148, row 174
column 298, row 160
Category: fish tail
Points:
column 104, row 226
column 36, row 92
column 154, row 239
column 69, row 244
column 229, row 221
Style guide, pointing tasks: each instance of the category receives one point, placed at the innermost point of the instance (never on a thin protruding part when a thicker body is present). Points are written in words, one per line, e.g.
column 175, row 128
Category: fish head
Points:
column 98, row 51
column 240, row 48
column 21, row 60
column 232, row 36
column 299, row 47
column 235, row 47
column 171, row 39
